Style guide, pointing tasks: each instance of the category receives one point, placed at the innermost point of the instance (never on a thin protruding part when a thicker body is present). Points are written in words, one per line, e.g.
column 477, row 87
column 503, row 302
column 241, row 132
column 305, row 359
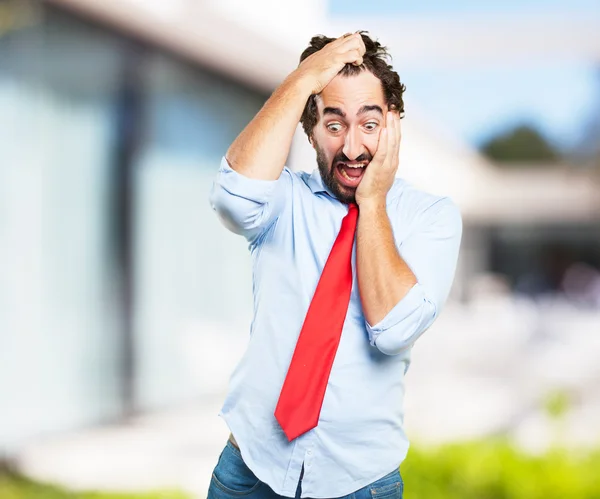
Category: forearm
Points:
column 261, row 150
column 384, row 278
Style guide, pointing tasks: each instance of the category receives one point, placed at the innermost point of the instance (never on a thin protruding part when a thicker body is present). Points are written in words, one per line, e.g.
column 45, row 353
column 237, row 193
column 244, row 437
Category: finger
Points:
column 391, row 125
column 357, row 39
column 394, row 159
column 392, row 142
column 351, row 56
column 338, row 42
column 353, row 41
column 362, row 47
column 382, row 145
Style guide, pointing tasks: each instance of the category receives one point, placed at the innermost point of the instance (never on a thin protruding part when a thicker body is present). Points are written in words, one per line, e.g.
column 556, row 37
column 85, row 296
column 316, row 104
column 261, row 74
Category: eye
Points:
column 334, row 127
column 371, row 125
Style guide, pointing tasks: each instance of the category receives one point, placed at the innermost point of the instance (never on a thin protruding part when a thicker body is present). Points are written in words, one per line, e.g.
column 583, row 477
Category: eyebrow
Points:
column 374, row 107
column 364, row 109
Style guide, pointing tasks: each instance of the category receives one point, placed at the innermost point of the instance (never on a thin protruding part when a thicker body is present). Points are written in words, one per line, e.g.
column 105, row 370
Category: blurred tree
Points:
column 521, row 144
column 18, row 14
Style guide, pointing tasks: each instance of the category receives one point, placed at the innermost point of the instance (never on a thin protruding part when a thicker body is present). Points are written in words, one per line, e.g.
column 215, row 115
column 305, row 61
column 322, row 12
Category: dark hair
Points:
column 375, row 60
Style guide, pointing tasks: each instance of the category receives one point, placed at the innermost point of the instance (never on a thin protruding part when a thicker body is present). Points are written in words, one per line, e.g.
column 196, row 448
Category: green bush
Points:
column 13, row 486
column 490, row 469
column 496, row 470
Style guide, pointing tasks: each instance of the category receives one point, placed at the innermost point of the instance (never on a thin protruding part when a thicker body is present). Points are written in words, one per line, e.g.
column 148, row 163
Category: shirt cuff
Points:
column 235, row 183
column 405, row 318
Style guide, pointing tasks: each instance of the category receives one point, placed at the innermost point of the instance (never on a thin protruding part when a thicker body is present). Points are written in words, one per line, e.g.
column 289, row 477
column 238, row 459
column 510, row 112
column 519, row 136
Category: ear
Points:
column 312, row 142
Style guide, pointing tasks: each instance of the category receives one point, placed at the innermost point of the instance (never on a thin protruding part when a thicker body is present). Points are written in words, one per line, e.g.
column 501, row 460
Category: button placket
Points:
column 291, row 479
column 308, row 460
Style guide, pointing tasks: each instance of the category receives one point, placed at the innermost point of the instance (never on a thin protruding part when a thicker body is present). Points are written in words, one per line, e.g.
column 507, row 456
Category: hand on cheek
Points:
column 380, row 174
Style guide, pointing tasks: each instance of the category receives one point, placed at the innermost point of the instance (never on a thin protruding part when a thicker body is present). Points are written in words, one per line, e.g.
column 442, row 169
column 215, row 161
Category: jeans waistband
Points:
column 233, row 442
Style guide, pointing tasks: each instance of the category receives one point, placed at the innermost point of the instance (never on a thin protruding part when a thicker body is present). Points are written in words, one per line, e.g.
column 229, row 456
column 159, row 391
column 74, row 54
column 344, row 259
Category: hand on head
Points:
column 321, row 67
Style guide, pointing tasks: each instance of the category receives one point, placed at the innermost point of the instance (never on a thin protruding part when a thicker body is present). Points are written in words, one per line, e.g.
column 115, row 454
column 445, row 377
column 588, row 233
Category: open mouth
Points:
column 350, row 174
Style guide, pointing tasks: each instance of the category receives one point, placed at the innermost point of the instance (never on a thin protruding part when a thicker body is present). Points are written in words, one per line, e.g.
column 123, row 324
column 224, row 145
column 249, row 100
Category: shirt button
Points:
column 309, row 452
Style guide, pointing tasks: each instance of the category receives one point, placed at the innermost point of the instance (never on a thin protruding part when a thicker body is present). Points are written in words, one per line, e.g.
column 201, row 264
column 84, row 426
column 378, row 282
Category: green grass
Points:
column 486, row 469
column 14, row 486
column 493, row 469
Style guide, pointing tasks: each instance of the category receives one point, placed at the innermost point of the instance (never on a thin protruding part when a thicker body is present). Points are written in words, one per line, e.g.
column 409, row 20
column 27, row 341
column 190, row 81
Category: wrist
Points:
column 372, row 205
column 301, row 82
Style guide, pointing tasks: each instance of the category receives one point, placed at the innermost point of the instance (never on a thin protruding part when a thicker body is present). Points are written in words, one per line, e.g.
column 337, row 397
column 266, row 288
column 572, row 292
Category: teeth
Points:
column 345, row 175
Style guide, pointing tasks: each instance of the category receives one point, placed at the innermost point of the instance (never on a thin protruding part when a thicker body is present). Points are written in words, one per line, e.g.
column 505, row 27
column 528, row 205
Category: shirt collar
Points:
column 315, row 183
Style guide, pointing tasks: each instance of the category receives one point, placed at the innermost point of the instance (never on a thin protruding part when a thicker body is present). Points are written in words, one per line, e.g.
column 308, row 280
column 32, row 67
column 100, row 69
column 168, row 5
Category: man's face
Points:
column 350, row 115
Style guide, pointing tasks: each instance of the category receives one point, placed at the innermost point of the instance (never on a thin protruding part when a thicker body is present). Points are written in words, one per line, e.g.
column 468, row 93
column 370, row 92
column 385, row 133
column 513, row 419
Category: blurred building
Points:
column 120, row 291
column 112, row 262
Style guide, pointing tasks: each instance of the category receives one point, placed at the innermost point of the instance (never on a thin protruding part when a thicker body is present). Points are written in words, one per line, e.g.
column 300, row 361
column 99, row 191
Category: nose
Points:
column 353, row 146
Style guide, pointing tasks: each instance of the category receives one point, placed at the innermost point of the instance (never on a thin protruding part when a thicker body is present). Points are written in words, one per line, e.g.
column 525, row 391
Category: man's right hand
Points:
column 321, row 67
column 261, row 150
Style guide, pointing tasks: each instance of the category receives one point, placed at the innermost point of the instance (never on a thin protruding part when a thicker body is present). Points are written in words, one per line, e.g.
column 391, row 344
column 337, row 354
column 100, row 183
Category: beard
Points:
column 344, row 194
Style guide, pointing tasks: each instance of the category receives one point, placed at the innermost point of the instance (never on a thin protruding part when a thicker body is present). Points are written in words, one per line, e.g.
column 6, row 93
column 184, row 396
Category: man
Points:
column 350, row 266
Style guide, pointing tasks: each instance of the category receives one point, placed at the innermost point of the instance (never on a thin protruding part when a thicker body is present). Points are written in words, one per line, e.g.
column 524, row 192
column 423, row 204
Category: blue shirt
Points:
column 290, row 225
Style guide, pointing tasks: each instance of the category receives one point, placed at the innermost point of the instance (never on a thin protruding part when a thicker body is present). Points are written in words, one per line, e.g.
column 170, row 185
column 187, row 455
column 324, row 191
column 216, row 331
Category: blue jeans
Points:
column 233, row 479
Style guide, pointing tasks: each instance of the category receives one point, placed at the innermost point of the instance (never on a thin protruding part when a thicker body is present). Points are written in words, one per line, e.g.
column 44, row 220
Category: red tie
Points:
column 304, row 387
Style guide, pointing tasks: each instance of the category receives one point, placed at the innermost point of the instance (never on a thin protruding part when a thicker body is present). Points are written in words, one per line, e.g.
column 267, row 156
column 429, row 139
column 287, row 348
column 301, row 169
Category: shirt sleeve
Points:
column 248, row 206
column 431, row 252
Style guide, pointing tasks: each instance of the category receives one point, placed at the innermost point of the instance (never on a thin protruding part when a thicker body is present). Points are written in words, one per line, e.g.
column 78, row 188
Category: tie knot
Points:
column 352, row 207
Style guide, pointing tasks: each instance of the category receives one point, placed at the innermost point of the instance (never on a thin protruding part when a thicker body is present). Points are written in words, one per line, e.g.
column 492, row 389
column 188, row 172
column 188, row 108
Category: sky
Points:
column 386, row 7
column 479, row 102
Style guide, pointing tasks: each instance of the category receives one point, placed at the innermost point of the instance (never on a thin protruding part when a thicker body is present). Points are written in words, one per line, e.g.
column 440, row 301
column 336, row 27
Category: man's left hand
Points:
column 380, row 173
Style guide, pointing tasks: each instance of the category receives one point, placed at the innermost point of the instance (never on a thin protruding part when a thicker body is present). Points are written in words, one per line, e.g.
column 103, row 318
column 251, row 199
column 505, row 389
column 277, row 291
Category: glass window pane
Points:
column 193, row 293
column 59, row 353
